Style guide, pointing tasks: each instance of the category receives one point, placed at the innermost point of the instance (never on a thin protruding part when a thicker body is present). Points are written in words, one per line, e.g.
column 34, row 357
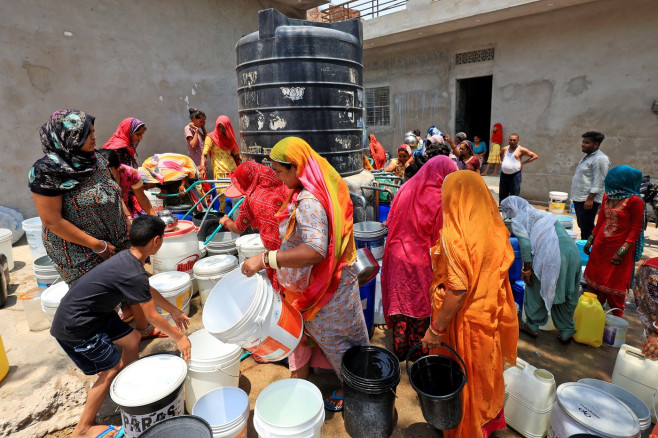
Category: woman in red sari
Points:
column 377, row 152
column 619, row 231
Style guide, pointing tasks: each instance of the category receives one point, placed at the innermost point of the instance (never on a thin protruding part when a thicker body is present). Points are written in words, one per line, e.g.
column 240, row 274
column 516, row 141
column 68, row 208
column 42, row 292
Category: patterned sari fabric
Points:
column 473, row 254
column 121, row 141
column 377, row 152
column 646, row 293
column 414, row 222
column 63, row 164
column 168, row 167
column 323, row 182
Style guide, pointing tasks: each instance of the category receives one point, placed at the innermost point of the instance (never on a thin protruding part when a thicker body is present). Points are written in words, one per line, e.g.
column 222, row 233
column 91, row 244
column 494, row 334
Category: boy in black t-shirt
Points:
column 86, row 326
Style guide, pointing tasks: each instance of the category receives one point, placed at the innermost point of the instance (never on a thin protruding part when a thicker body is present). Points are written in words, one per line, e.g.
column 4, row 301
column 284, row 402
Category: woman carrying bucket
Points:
column 551, row 268
column 413, row 223
column 617, row 241
column 472, row 302
column 264, row 195
column 314, row 264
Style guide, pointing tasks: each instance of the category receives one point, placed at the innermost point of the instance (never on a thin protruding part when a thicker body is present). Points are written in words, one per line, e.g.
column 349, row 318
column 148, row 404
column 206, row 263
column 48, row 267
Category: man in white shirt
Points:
column 587, row 184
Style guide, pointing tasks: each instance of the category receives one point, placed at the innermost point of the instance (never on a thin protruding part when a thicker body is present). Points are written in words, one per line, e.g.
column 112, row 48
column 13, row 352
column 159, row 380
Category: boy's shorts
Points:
column 97, row 353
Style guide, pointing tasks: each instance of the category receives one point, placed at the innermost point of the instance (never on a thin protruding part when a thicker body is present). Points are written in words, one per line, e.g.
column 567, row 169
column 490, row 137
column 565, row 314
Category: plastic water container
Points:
column 590, row 320
column 149, row 390
column 572, row 234
column 36, row 318
column 614, row 332
column 209, row 271
column 582, row 409
column 291, row 408
column 518, row 289
column 249, row 246
column 636, row 374
column 226, row 409
column 557, row 201
column 213, row 364
column 584, row 258
column 33, row 230
column 5, row 246
column 4, row 362
column 371, row 235
column 378, row 317
column 45, row 272
column 188, row 426
column 246, row 311
column 565, row 220
column 367, row 294
column 517, row 264
column 530, row 396
column 384, row 208
column 51, row 297
column 12, row 220
column 175, row 287
column 179, row 251
column 156, row 203
column 637, row 406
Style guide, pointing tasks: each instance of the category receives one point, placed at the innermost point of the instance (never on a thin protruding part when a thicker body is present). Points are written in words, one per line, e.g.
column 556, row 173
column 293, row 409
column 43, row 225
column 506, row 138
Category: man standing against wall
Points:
column 587, row 183
column 510, row 176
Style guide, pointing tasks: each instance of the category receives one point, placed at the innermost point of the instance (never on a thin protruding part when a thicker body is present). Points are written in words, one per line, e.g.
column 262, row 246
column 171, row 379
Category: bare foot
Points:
column 94, row 431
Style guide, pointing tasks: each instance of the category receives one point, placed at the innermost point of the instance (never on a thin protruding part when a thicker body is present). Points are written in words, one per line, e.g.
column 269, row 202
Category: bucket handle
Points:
column 443, row 344
column 614, row 308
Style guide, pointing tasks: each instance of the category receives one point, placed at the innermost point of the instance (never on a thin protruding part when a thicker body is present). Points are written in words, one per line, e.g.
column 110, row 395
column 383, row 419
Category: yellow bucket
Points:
column 4, row 362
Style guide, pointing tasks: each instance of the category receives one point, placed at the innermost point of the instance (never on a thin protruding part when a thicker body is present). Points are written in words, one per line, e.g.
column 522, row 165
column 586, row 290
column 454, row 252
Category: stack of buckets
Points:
column 33, row 229
column 249, row 246
column 175, row 287
column 223, row 243
column 248, row 312
column 208, row 271
column 226, row 409
column 44, row 271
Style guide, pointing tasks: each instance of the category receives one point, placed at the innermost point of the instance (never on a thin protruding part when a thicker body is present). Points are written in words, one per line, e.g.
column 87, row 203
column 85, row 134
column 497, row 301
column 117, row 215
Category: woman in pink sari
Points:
column 413, row 223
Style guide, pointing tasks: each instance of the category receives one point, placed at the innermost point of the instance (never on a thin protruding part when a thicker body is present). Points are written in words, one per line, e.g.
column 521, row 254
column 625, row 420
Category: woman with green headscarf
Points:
column 315, row 271
column 619, row 231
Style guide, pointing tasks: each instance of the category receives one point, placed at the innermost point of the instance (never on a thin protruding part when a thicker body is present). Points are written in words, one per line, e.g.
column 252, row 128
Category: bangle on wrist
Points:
column 266, row 260
column 655, row 328
column 435, row 330
column 262, row 261
column 526, row 271
column 104, row 249
column 272, row 259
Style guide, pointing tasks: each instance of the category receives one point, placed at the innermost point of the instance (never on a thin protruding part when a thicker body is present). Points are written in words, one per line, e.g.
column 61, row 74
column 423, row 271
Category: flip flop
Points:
column 155, row 334
column 328, row 406
column 111, row 429
column 527, row 330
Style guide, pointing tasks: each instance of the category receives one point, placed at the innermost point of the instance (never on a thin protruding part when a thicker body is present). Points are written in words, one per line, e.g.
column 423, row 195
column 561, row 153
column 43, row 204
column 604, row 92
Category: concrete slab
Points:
column 44, row 392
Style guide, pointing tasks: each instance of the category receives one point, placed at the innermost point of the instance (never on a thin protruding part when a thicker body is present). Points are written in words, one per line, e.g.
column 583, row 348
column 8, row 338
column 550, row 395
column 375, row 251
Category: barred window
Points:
column 474, row 56
column 377, row 106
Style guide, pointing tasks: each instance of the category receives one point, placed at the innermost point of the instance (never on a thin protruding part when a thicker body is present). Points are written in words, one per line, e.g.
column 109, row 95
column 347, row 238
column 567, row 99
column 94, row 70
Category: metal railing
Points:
column 363, row 9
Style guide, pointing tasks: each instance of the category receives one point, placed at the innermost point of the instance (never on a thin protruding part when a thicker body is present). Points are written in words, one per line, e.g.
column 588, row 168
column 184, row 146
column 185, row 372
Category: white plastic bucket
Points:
column 175, row 287
column 209, row 271
column 226, row 410
column 614, row 333
column 33, row 230
column 179, row 251
column 157, row 203
column 371, row 235
column 44, row 271
column 5, row 246
column 584, row 409
column 223, row 243
column 289, row 408
column 51, row 297
column 148, row 391
column 246, row 311
column 213, row 364
column 557, row 201
column 249, row 246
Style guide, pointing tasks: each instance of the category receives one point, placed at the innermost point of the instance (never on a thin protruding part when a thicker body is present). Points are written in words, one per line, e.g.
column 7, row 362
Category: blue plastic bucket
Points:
column 383, row 211
column 367, row 293
column 517, row 265
column 518, row 289
column 584, row 258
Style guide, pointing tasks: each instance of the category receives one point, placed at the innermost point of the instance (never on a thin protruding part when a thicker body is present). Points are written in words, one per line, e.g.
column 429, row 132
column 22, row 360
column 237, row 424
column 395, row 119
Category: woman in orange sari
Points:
column 472, row 303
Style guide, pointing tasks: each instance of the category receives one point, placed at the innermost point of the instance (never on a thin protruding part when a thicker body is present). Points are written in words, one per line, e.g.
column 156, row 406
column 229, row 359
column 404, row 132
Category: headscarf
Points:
column 434, row 131
column 64, row 164
column 497, row 137
column 377, row 152
column 485, row 330
column 227, row 143
column 539, row 228
column 468, row 145
column 318, row 177
column 414, row 222
column 167, row 167
column 406, row 148
column 622, row 182
column 264, row 195
column 122, row 137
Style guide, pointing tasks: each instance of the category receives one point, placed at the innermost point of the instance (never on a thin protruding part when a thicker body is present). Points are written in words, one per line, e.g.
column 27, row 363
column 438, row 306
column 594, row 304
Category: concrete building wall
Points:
column 555, row 75
column 115, row 59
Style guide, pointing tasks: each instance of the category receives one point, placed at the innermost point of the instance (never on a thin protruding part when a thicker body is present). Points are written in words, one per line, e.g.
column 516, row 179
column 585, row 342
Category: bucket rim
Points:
column 305, row 384
column 179, row 418
column 437, row 397
column 367, row 384
column 170, row 281
column 224, row 389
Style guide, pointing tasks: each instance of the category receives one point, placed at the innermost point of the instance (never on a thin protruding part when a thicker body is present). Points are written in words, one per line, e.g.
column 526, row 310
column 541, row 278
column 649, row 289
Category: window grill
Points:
column 474, row 56
column 378, row 106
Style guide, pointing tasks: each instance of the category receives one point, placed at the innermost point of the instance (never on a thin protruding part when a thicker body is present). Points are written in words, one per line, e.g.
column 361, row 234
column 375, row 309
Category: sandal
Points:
column 523, row 327
column 110, row 429
column 565, row 341
column 151, row 332
column 331, row 407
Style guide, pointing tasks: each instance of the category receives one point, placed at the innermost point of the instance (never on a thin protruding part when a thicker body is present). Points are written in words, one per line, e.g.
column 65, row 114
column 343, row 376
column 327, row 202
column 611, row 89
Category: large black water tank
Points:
column 304, row 79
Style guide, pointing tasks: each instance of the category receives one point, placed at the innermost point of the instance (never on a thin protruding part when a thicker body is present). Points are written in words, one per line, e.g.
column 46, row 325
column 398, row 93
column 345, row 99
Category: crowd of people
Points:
column 444, row 272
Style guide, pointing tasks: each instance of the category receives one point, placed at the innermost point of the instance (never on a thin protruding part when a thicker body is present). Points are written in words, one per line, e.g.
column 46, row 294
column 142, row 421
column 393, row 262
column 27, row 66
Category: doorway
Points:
column 473, row 114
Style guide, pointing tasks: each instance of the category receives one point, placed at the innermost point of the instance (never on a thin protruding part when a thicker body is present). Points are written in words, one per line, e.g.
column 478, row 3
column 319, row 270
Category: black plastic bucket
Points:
column 438, row 381
column 187, row 426
column 370, row 376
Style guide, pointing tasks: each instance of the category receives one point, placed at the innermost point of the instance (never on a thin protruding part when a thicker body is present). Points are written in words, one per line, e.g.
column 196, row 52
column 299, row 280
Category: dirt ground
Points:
column 43, row 393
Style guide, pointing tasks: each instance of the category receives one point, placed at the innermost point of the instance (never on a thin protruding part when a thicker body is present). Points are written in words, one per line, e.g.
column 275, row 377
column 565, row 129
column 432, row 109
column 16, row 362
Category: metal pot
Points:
column 366, row 266
column 169, row 219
